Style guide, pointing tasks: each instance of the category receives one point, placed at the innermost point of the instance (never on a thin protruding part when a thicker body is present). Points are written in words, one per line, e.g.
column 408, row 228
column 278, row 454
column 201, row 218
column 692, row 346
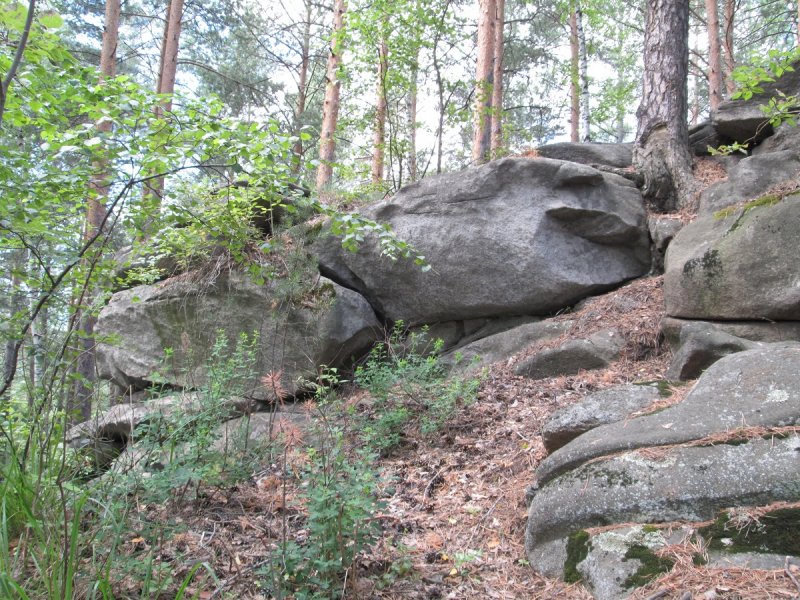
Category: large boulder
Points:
column 685, row 463
column 750, row 178
column 742, row 266
column 752, row 388
column 612, row 155
column 595, row 352
column 165, row 333
column 743, row 120
column 512, row 237
column 701, row 344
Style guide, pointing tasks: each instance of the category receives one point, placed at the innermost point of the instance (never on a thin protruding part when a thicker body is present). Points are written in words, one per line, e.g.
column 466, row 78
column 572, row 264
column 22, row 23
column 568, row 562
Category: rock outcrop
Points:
column 512, row 237
column 610, row 476
column 164, row 333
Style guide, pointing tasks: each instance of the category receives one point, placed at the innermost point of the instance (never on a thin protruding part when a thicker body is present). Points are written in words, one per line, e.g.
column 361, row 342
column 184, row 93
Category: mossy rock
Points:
column 778, row 532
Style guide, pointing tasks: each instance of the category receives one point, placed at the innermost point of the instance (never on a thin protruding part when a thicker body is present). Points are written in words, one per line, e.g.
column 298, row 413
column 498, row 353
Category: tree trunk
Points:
column 497, row 78
column 302, row 92
column 330, row 108
column 17, row 307
column 411, row 109
column 379, row 139
column 484, row 74
column 714, row 56
column 729, row 62
column 574, row 77
column 587, row 135
column 661, row 150
column 167, row 72
column 95, row 215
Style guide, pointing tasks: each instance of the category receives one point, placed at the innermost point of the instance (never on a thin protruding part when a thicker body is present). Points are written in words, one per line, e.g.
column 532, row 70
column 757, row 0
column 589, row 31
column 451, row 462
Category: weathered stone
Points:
column 328, row 326
column 738, row 267
column 750, row 178
column 701, row 137
column 757, row 331
column 508, row 238
column 701, row 345
column 456, row 334
column 683, row 484
column 612, row 155
column 662, row 231
column 747, row 389
column 743, row 120
column 595, row 352
column 786, row 137
column 600, row 408
column 263, row 428
column 502, row 346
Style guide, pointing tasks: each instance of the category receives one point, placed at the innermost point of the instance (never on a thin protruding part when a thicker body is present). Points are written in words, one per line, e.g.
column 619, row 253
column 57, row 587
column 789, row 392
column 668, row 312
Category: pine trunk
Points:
column 93, row 227
column 714, row 56
column 729, row 62
column 574, row 77
column 484, row 74
column 496, row 141
column 661, row 150
column 330, row 109
column 584, row 69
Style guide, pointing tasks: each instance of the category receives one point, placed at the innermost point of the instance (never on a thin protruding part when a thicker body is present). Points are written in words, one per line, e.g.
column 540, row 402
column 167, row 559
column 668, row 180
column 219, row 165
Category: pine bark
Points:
column 584, row 73
column 379, row 139
column 714, row 55
column 496, row 141
column 95, row 216
column 729, row 62
column 330, row 108
column 484, row 75
column 661, row 149
column 574, row 79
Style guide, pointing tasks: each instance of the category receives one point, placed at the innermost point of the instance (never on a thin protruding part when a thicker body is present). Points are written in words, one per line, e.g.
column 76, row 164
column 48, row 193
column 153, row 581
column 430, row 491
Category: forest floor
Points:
column 453, row 515
column 453, row 510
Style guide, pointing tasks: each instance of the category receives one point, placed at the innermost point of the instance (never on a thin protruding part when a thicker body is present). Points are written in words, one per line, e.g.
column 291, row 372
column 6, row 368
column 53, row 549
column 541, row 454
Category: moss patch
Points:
column 577, row 550
column 652, row 566
column 775, row 533
column 765, row 200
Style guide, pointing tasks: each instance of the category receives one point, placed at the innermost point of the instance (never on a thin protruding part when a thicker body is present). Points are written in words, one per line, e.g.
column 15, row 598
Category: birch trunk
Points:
column 330, row 108
column 379, row 139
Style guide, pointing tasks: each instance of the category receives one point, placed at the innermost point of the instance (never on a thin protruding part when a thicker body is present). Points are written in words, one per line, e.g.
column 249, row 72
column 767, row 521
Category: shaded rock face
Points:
column 750, row 178
column 600, row 479
column 328, row 326
column 595, row 352
column 603, row 407
column 612, row 155
column 739, row 267
column 700, row 346
column 512, row 237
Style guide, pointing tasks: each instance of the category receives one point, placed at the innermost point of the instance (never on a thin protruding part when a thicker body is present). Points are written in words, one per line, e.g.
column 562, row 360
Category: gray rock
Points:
column 786, row 137
column 457, row 334
column 684, row 484
column 262, row 428
column 701, row 137
column 757, row 331
column 512, row 237
column 606, row 568
column 587, row 153
column 740, row 267
column 750, row 178
column 328, row 326
column 600, row 408
column 701, row 345
column 752, row 388
column 662, row 231
column 502, row 346
column 596, row 352
column 741, row 120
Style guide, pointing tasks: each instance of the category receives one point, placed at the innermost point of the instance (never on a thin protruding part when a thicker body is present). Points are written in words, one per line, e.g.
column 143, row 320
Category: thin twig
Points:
column 788, row 570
